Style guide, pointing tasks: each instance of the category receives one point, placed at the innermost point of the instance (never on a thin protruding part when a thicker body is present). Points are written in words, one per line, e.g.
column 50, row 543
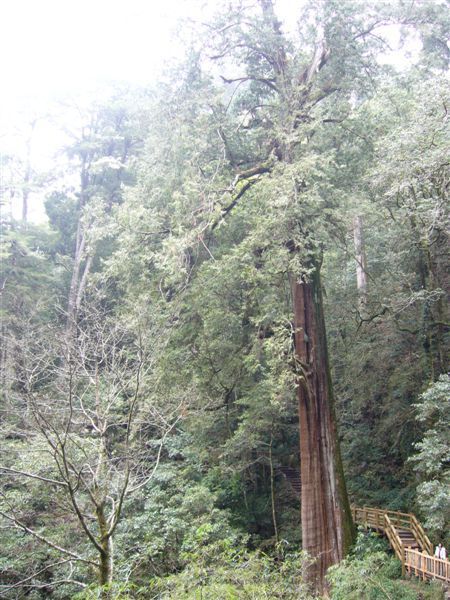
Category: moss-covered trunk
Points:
column 106, row 554
column 327, row 527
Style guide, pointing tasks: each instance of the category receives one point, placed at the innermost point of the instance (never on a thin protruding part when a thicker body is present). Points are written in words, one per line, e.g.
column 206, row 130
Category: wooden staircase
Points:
column 403, row 531
column 408, row 540
column 292, row 476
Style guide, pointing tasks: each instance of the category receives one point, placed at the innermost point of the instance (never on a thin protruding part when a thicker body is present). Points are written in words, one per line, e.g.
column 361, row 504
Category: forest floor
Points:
column 436, row 590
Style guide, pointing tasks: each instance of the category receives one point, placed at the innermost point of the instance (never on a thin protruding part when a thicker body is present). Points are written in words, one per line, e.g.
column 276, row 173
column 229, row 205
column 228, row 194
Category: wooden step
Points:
column 293, row 477
column 419, row 562
column 408, row 540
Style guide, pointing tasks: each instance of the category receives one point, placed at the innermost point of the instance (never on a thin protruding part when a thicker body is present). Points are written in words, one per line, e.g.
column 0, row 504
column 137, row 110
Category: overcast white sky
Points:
column 53, row 48
column 63, row 43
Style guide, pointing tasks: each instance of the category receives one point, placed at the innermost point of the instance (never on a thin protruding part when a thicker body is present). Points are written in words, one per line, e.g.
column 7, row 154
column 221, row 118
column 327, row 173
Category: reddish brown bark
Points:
column 327, row 528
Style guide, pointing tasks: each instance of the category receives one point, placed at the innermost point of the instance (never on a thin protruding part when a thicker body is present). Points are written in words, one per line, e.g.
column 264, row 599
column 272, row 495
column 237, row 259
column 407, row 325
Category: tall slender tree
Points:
column 101, row 153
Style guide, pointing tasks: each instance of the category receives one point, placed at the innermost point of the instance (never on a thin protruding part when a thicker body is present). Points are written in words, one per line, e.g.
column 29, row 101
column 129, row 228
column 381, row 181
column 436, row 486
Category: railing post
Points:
column 423, row 564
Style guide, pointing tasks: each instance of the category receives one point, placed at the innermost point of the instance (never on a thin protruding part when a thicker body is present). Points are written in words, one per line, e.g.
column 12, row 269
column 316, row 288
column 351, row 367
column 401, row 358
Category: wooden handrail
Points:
column 392, row 523
column 377, row 515
column 395, row 541
column 369, row 517
column 426, row 566
column 421, row 536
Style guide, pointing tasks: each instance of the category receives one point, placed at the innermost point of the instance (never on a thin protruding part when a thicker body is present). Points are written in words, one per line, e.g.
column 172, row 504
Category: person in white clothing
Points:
column 440, row 552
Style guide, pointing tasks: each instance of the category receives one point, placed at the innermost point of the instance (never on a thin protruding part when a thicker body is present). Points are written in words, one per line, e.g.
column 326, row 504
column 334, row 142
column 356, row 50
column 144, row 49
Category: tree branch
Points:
column 158, row 458
column 45, row 540
column 33, row 476
column 268, row 82
column 251, row 176
column 22, row 582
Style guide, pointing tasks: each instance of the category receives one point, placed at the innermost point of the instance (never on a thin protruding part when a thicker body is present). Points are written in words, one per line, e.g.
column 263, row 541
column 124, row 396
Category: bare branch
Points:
column 24, row 581
column 269, row 82
column 250, row 176
column 158, row 457
column 33, row 476
column 45, row 540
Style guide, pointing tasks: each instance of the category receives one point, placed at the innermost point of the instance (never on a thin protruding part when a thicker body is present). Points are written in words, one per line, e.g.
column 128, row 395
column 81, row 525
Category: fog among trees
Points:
column 232, row 323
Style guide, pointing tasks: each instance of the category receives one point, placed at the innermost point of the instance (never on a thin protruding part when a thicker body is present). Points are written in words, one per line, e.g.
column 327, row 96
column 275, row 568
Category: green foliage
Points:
column 62, row 212
column 385, row 351
column 224, row 570
column 433, row 456
column 165, row 522
column 29, row 276
column 370, row 574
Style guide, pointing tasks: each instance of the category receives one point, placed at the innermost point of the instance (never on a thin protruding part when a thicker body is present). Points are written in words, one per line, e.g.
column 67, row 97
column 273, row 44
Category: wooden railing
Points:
column 369, row 517
column 421, row 536
column 426, row 566
column 394, row 540
column 394, row 525
column 374, row 518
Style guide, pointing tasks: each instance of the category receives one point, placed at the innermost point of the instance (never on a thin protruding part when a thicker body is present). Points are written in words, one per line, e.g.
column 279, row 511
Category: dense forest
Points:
column 232, row 324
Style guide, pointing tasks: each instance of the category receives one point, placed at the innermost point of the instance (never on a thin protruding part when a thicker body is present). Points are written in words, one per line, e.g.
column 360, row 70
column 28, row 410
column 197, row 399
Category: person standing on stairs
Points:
column 440, row 552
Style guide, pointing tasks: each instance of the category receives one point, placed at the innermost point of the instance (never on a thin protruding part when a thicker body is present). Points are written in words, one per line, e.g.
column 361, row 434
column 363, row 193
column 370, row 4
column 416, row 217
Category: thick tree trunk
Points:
column 74, row 283
column 106, row 564
column 429, row 279
column 327, row 528
column 25, row 194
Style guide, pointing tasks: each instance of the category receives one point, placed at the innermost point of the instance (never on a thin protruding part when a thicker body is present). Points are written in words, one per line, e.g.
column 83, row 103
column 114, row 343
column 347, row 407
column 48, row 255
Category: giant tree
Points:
column 287, row 103
column 292, row 99
column 246, row 175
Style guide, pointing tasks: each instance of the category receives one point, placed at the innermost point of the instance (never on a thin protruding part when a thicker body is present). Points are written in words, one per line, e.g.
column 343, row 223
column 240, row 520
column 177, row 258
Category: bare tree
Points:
column 86, row 413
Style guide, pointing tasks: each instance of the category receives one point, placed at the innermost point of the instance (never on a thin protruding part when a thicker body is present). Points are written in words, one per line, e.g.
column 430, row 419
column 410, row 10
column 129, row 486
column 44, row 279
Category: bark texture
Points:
column 361, row 263
column 327, row 527
column 106, row 554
